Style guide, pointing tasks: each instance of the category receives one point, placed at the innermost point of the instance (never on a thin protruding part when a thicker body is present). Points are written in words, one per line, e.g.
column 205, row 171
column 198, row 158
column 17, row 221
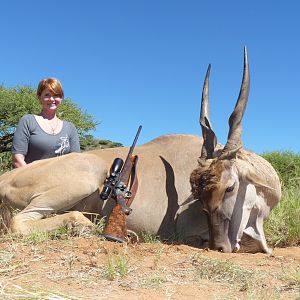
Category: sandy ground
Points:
column 90, row 268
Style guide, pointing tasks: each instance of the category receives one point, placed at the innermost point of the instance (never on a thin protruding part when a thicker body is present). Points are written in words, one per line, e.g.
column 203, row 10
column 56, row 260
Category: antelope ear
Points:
column 204, row 163
column 230, row 154
column 255, row 180
column 252, row 177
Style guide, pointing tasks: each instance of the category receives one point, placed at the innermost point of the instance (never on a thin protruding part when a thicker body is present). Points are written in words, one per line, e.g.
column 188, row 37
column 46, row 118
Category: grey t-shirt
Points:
column 34, row 143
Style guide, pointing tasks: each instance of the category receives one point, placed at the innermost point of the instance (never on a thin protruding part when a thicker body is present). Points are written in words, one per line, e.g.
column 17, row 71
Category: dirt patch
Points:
column 90, row 268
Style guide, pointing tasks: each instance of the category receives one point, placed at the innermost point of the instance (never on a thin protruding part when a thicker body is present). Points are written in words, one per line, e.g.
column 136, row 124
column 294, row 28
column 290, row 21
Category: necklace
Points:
column 53, row 129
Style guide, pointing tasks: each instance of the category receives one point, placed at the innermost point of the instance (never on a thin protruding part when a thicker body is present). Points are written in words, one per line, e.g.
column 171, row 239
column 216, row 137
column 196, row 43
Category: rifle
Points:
column 121, row 185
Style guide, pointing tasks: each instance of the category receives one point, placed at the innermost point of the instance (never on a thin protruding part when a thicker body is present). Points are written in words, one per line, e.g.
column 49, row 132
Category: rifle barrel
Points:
column 134, row 142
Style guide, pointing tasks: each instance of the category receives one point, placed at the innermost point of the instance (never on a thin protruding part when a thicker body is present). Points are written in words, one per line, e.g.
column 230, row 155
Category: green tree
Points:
column 18, row 101
column 88, row 142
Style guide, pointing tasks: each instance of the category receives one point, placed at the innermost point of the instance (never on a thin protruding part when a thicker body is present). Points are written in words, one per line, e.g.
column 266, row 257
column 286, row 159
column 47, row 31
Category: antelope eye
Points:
column 230, row 188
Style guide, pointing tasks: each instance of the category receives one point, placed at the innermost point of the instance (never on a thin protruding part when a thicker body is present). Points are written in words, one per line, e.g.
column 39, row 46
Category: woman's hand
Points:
column 18, row 160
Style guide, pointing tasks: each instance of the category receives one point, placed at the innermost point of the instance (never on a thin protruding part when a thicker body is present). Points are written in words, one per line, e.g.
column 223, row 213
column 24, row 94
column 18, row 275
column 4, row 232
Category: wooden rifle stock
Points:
column 115, row 229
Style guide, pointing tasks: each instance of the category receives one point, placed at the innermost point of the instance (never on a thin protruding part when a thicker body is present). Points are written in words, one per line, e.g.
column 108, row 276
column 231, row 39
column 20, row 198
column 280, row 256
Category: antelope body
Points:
column 233, row 190
column 72, row 183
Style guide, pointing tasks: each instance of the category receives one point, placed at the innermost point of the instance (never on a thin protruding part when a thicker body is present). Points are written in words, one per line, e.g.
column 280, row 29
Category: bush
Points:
column 283, row 226
column 287, row 165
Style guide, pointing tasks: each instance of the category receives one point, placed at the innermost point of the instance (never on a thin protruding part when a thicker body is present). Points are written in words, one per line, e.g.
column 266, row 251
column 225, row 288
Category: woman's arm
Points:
column 20, row 142
column 74, row 139
column 18, row 160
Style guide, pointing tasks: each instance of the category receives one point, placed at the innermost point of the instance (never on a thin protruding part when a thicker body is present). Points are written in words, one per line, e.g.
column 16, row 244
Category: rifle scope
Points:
column 111, row 180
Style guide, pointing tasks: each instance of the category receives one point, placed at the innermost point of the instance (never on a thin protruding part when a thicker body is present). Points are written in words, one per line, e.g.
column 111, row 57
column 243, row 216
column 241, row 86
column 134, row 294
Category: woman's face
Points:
column 49, row 101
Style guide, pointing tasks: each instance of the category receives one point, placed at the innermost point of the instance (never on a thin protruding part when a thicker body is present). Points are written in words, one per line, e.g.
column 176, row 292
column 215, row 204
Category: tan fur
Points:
column 268, row 183
column 205, row 179
column 209, row 183
column 72, row 182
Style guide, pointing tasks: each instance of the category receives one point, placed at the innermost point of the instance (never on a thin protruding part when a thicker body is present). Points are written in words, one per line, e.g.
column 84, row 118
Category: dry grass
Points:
column 39, row 268
column 226, row 272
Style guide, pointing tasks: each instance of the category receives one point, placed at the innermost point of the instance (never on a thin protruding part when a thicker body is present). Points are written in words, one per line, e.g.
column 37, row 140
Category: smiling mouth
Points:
column 52, row 105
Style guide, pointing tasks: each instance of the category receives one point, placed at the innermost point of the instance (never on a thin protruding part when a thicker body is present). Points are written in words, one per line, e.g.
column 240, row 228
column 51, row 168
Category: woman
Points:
column 44, row 135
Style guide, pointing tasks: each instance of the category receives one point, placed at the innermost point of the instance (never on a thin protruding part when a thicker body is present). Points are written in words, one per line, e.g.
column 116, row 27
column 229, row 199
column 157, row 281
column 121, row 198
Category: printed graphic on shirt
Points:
column 63, row 145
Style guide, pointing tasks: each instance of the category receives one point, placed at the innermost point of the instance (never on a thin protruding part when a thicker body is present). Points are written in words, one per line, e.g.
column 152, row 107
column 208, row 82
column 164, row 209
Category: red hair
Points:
column 52, row 84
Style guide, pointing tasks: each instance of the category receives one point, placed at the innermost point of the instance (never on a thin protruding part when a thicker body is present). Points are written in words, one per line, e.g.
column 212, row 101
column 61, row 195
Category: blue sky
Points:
column 132, row 62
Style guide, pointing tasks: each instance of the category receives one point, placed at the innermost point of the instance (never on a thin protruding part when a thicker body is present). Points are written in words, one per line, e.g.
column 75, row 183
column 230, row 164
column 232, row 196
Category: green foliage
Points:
column 117, row 266
column 5, row 162
column 287, row 165
column 14, row 103
column 40, row 236
column 293, row 276
column 99, row 225
column 88, row 142
column 69, row 111
column 150, row 238
column 36, row 237
column 283, row 225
